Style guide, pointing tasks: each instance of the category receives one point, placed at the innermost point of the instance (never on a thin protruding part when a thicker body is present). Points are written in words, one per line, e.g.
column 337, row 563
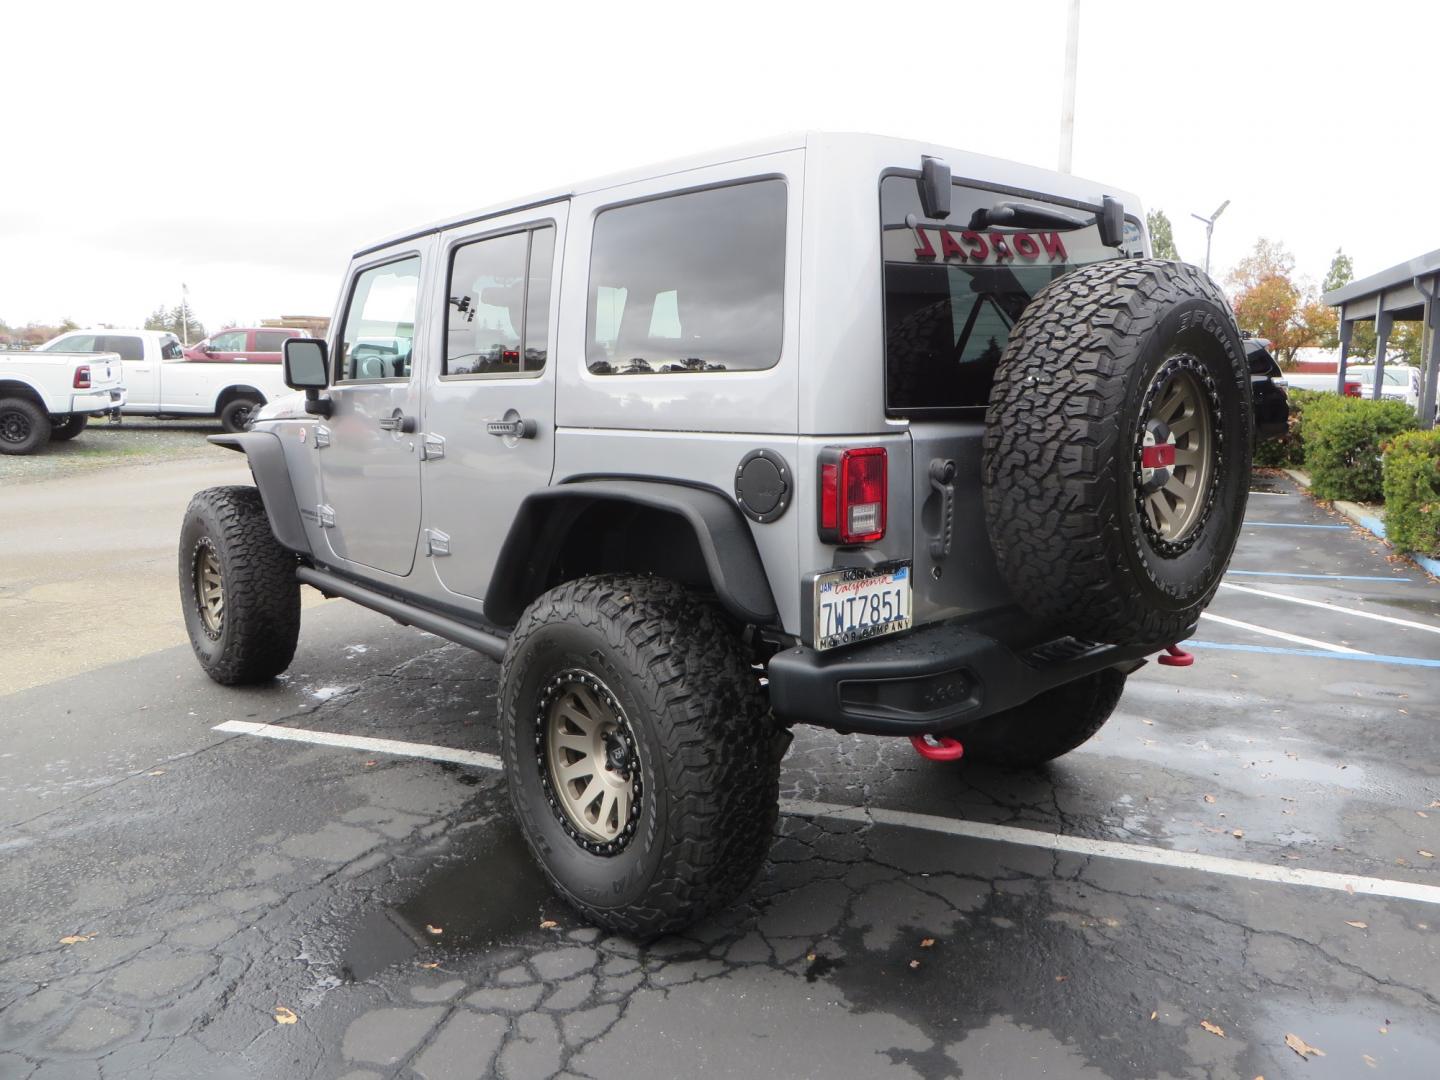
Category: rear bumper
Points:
column 929, row 681
column 93, row 401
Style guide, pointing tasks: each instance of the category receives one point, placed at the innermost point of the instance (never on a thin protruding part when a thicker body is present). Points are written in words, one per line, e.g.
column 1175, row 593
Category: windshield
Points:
column 952, row 293
column 1393, row 377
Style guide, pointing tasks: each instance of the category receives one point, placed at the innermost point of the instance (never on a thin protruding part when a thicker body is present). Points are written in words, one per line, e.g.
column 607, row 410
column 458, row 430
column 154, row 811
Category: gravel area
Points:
column 101, row 445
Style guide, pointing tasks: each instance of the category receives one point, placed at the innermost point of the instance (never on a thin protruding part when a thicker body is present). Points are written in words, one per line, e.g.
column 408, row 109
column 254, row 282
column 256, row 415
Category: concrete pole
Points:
column 1431, row 353
column 1347, row 335
column 1384, row 322
column 1067, row 100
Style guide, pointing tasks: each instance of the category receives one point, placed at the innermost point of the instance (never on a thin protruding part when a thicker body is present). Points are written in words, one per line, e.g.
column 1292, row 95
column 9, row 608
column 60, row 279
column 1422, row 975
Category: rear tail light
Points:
column 1352, row 389
column 853, row 486
column 82, row 378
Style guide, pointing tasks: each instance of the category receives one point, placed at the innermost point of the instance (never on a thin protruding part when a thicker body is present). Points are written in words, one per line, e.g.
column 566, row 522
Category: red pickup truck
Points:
column 243, row 344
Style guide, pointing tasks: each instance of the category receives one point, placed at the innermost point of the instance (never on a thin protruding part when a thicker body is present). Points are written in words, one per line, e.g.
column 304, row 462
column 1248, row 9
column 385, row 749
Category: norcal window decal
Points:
column 968, row 245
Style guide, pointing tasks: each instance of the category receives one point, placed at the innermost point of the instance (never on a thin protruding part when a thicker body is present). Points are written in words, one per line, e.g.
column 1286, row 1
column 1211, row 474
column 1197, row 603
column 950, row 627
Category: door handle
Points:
column 398, row 422
column 514, row 429
column 942, row 482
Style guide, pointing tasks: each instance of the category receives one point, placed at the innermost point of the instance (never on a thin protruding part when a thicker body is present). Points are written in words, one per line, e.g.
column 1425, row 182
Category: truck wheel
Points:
column 24, row 426
column 237, row 588
column 1117, row 451
column 237, row 414
column 69, row 427
column 1047, row 726
column 642, row 759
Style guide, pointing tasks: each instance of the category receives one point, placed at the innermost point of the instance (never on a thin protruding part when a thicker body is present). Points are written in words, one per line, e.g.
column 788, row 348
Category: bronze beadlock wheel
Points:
column 589, row 762
column 209, row 588
column 1174, row 491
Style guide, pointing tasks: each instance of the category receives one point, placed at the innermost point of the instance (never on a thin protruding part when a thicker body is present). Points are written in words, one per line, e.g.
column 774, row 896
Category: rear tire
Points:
column 237, row 588
column 661, row 669
column 67, row 429
column 237, row 414
column 1047, row 726
column 24, row 426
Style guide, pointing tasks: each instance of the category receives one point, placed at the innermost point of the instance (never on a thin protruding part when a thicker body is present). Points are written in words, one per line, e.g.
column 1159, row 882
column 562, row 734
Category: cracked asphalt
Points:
column 171, row 894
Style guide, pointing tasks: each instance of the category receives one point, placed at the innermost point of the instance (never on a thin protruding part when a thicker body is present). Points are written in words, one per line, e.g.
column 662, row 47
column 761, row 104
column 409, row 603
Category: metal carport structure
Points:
column 1409, row 291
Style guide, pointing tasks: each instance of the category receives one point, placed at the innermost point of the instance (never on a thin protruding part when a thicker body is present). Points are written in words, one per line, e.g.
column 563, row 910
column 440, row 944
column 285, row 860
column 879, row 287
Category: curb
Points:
column 1369, row 521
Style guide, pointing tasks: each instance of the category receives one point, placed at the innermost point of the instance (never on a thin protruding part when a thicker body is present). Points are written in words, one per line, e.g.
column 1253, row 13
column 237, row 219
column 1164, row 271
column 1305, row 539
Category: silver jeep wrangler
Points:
column 840, row 430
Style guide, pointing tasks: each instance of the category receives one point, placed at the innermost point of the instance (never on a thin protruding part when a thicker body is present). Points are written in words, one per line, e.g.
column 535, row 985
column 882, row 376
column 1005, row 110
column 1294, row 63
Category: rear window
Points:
column 952, row 293
column 129, row 348
column 692, row 282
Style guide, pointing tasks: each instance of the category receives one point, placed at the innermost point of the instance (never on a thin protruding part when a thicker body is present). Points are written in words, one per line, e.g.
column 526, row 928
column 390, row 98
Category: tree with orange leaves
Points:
column 1272, row 303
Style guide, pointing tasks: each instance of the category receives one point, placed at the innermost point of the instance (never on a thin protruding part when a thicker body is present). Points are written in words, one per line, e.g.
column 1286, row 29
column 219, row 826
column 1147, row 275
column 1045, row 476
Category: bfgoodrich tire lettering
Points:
column 1066, row 430
column 708, row 751
column 250, row 636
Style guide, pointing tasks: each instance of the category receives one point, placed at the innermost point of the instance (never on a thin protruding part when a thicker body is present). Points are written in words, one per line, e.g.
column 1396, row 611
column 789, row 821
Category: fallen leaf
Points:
column 1144, row 721
column 926, row 943
column 1062, row 978
column 548, row 924
column 1239, row 834
column 284, row 1015
column 1370, row 1061
column 1422, row 813
column 809, row 957
column 1154, row 1013
column 75, row 939
column 1357, row 924
column 1301, row 1047
column 1427, row 854
column 1350, row 888
column 1213, row 1029
column 156, row 772
column 914, row 963
column 371, row 764
column 1209, row 798
column 437, row 931
column 430, row 965
column 1435, row 804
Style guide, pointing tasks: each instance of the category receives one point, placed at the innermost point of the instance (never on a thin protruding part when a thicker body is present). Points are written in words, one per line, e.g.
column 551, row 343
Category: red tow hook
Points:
column 937, row 747
column 1174, row 656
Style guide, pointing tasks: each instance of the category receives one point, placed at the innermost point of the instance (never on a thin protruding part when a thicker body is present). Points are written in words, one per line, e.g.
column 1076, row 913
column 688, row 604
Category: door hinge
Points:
column 432, row 448
column 436, row 542
column 326, row 514
column 322, row 436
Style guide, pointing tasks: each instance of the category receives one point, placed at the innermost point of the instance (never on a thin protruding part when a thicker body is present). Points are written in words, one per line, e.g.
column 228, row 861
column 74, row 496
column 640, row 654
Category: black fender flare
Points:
column 267, row 465
column 543, row 523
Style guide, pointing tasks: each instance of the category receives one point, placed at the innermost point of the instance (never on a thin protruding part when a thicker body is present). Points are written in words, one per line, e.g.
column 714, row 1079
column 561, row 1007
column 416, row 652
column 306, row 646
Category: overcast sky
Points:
column 246, row 149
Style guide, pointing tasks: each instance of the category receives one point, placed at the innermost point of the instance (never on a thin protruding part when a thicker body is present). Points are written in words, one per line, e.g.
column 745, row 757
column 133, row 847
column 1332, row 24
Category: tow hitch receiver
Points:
column 1174, row 656
column 937, row 747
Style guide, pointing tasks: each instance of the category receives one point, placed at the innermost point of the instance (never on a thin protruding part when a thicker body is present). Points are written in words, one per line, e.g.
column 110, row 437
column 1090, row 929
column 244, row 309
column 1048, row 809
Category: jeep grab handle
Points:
column 398, row 422
column 514, row 429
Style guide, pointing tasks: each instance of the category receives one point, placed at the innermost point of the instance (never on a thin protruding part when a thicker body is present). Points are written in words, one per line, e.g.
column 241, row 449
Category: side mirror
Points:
column 207, row 348
column 1111, row 221
column 307, row 367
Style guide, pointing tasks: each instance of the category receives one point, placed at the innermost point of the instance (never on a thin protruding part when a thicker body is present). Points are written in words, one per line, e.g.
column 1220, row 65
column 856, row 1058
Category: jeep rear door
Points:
column 489, row 430
column 370, row 469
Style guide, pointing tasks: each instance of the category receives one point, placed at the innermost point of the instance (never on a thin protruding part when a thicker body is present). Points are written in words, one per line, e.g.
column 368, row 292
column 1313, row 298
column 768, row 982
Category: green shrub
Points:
column 1412, row 492
column 1287, row 451
column 1344, row 438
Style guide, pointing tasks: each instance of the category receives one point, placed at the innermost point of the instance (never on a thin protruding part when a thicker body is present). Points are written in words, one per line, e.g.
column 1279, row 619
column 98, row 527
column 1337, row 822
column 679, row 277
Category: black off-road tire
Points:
column 1047, row 726
column 709, row 751
column 260, row 624
column 1062, row 480
column 237, row 413
column 73, row 424
column 24, row 426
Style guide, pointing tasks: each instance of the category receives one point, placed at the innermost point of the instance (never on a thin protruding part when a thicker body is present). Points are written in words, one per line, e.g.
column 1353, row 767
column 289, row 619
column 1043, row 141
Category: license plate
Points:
column 853, row 605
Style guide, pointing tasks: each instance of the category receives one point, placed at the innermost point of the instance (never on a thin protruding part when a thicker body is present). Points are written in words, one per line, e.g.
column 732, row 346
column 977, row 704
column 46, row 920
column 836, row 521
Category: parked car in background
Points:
column 1323, row 381
column 160, row 381
column 1400, row 383
column 1267, row 390
column 47, row 396
column 243, row 344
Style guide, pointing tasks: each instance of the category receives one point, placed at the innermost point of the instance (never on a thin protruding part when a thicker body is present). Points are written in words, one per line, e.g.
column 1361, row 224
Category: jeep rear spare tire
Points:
column 1117, row 451
column 642, row 759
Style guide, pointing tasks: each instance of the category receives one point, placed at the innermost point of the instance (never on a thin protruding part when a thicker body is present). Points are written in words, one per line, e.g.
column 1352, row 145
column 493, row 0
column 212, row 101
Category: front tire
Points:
column 653, row 679
column 73, row 424
column 1045, row 727
column 24, row 426
column 237, row 588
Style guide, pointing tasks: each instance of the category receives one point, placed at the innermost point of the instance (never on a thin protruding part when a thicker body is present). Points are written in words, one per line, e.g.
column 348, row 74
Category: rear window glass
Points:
column 952, row 293
column 129, row 348
column 171, row 349
column 692, row 282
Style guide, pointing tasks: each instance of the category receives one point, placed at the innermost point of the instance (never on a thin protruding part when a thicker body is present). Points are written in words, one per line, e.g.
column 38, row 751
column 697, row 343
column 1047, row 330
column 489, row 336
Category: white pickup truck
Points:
column 50, row 395
column 160, row 381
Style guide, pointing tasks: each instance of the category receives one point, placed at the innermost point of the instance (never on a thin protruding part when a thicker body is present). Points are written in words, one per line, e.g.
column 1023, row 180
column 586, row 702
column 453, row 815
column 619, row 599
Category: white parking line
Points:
column 971, row 830
column 359, row 742
column 1314, row 643
column 1333, row 607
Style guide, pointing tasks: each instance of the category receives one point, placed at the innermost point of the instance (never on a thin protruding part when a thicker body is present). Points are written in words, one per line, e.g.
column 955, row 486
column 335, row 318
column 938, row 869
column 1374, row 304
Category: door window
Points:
column 71, row 343
column 378, row 338
column 497, row 319
column 270, row 340
column 229, row 341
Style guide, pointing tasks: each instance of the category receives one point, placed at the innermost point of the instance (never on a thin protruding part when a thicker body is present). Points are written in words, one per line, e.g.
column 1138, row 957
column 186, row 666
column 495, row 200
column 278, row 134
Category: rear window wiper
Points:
column 1018, row 215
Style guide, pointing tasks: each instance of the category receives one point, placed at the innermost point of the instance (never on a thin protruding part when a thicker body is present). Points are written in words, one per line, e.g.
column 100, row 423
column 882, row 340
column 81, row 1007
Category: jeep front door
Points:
column 490, row 404
column 370, row 471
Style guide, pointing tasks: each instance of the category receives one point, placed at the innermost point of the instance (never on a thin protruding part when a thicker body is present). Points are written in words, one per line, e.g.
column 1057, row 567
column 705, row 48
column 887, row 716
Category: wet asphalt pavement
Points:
column 171, row 894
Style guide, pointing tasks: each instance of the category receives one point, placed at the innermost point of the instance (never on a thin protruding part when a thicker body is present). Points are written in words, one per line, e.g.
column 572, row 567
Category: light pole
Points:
column 1067, row 101
column 1210, row 228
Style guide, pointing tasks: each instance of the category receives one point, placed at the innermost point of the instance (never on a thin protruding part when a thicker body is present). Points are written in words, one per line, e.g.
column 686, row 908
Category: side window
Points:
column 270, row 340
column 72, row 343
column 692, row 282
column 497, row 319
column 129, row 348
column 379, row 333
column 229, row 341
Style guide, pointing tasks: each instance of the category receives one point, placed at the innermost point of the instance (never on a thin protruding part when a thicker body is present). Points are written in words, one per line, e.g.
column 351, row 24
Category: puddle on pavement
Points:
column 486, row 892
column 1353, row 1042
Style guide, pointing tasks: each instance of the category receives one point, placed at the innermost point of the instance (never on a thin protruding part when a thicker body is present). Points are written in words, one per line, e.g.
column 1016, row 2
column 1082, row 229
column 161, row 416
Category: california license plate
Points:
column 856, row 604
